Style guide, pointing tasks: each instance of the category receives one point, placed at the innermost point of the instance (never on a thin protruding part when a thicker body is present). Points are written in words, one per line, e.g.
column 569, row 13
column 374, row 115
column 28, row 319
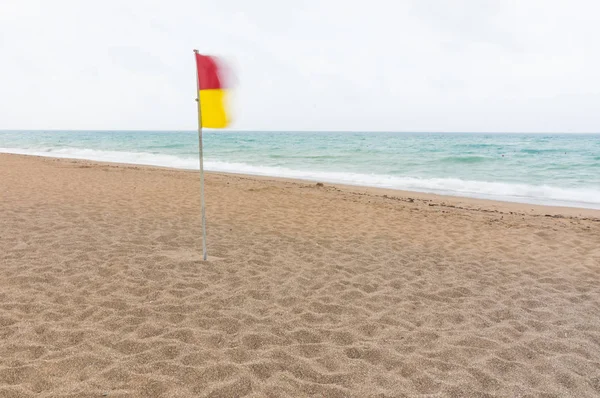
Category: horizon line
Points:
column 299, row 131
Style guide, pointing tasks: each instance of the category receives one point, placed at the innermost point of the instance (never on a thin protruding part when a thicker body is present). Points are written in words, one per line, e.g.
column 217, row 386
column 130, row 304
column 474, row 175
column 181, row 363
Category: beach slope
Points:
column 311, row 290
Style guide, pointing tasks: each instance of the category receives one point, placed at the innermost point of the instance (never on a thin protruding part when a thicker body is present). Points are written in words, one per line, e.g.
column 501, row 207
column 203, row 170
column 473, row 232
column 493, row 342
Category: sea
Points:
column 549, row 169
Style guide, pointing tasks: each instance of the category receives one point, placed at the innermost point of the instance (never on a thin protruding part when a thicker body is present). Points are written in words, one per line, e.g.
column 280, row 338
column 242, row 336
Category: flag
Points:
column 211, row 92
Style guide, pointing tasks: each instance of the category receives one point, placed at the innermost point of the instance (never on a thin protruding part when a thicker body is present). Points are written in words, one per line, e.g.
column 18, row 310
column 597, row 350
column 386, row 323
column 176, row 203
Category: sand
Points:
column 323, row 291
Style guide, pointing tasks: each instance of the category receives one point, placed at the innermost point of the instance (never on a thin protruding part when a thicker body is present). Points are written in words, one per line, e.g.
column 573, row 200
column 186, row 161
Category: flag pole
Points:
column 204, row 254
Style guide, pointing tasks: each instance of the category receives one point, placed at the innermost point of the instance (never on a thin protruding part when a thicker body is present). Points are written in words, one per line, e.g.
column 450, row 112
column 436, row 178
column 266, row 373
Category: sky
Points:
column 377, row 65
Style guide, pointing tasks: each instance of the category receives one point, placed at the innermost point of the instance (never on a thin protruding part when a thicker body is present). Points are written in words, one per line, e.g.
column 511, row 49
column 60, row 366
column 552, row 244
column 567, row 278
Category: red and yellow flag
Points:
column 211, row 92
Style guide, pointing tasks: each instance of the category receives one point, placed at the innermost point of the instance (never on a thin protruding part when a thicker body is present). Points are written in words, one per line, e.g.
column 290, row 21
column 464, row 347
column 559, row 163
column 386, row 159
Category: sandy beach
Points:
column 324, row 291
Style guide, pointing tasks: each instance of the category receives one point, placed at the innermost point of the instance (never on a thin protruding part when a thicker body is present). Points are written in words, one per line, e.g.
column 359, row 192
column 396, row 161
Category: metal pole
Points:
column 204, row 254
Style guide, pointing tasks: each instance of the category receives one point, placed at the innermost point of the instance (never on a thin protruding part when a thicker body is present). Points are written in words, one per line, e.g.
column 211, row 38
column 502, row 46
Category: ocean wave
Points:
column 541, row 151
column 514, row 192
column 141, row 158
column 464, row 159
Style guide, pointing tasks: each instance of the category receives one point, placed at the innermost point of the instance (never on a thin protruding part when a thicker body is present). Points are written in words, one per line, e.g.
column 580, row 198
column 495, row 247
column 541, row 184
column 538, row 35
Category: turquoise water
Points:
column 556, row 169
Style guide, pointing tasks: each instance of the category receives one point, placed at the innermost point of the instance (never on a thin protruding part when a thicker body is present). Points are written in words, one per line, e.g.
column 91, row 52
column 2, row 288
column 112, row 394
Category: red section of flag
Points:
column 208, row 73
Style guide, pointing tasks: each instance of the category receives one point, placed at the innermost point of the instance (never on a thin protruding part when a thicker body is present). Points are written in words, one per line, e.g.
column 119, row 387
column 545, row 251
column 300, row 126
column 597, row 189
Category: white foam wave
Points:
column 141, row 158
column 513, row 192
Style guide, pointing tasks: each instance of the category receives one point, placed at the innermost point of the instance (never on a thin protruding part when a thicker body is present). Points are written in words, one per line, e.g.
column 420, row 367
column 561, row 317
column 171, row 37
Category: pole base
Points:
column 188, row 255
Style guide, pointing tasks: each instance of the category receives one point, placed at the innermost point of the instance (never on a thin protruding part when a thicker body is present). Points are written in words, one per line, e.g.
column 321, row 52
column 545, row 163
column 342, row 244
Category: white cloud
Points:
column 422, row 65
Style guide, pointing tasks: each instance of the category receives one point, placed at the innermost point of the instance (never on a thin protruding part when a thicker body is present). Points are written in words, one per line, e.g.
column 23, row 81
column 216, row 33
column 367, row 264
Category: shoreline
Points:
column 431, row 199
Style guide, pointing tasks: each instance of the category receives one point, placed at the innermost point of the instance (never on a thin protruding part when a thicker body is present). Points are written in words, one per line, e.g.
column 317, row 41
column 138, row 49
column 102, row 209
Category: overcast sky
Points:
column 461, row 65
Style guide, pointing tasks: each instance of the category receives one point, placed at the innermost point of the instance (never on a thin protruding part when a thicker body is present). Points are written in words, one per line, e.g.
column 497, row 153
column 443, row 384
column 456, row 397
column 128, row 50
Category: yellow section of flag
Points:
column 212, row 108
